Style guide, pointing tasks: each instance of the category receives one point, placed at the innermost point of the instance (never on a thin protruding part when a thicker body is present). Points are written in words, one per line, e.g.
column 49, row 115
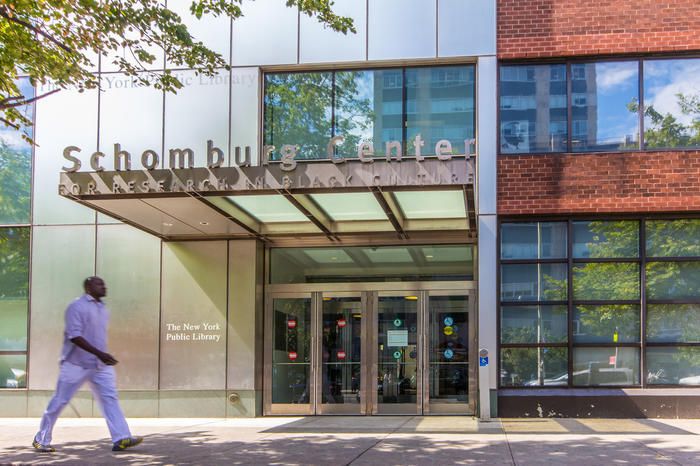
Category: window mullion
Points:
column 570, row 301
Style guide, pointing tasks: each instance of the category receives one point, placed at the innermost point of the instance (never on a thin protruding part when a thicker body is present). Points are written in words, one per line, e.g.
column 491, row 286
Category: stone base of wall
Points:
column 585, row 403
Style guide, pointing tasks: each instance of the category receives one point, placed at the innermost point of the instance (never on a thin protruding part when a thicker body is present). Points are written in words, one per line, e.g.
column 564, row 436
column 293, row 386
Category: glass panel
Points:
column 431, row 204
column 673, row 280
column 397, row 349
column 13, row 371
column 673, row 238
column 671, row 323
column 449, row 348
column 14, row 287
column 16, row 165
column 677, row 366
column 601, row 239
column 533, row 324
column 350, row 206
column 533, row 240
column 602, row 118
column 389, row 35
column 371, row 264
column 607, row 324
column 533, row 108
column 368, row 109
column 291, row 350
column 270, row 208
column 253, row 42
column 318, row 43
column 341, row 350
column 298, row 112
column 440, row 106
column 533, row 282
column 671, row 93
column 606, row 366
column 534, row 367
column 606, row 281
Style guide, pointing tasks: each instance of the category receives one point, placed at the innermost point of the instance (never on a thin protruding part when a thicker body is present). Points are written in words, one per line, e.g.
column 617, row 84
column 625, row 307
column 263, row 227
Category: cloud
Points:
column 681, row 77
column 612, row 75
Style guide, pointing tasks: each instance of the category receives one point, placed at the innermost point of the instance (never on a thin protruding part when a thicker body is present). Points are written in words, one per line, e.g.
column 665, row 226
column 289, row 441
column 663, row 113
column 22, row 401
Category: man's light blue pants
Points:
column 104, row 387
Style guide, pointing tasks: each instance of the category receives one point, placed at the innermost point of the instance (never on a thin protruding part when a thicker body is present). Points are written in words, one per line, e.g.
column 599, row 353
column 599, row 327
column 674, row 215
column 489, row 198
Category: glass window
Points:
column 272, row 209
column 371, row 264
column 431, row 204
column 603, row 119
column 368, row 109
column 673, row 238
column 537, row 240
column 533, row 282
column 14, row 286
column 439, row 105
column 533, row 324
column 298, row 110
column 539, row 129
column 673, row 365
column 610, row 323
column 606, row 281
column 673, row 280
column 350, row 206
column 13, row 371
column 673, row 323
column 606, row 366
column 601, row 239
column 16, row 165
column 534, row 367
column 671, row 103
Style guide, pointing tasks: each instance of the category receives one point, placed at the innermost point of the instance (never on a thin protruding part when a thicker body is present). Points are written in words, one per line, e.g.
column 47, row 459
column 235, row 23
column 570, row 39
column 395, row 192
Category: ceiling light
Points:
column 166, row 224
column 204, row 223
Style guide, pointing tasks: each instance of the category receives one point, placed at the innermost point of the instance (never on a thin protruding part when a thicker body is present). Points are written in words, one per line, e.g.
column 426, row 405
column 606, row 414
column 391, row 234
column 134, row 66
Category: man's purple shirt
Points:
column 88, row 318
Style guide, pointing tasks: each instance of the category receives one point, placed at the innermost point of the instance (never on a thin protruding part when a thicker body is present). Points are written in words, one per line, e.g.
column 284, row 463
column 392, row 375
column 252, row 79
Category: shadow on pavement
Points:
column 203, row 447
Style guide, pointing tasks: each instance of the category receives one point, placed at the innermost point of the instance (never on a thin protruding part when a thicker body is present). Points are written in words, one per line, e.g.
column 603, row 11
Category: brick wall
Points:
column 590, row 183
column 552, row 28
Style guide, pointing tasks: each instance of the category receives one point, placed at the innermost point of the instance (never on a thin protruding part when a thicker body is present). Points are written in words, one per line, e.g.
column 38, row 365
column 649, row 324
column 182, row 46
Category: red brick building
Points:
column 598, row 196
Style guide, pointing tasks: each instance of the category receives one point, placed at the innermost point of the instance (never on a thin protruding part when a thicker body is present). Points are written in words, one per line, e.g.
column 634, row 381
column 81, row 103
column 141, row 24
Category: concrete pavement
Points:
column 365, row 441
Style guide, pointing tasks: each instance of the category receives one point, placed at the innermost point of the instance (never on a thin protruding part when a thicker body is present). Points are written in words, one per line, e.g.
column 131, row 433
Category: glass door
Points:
column 450, row 369
column 396, row 371
column 342, row 380
column 289, row 342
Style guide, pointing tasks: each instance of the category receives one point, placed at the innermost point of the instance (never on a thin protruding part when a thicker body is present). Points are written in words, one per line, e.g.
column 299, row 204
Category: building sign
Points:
column 178, row 173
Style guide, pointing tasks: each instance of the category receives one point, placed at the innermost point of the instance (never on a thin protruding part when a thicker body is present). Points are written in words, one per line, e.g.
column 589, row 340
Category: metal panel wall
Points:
column 245, row 315
column 466, row 28
column 129, row 262
column 266, row 35
column 63, row 257
column 402, row 29
column 245, row 110
column 193, row 310
column 56, row 129
column 321, row 44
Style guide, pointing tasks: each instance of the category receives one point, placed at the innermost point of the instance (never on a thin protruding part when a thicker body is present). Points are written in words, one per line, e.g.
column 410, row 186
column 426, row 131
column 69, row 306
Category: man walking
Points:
column 84, row 358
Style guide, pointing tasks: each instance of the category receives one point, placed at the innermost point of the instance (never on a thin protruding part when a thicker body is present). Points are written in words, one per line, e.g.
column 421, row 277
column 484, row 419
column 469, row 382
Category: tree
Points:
column 664, row 130
column 50, row 40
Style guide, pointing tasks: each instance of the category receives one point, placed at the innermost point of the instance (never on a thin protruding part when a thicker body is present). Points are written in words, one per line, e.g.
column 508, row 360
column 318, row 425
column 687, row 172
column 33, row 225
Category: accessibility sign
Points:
column 483, row 361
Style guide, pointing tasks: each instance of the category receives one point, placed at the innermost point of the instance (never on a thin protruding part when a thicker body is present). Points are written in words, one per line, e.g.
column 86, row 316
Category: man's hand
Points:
column 107, row 359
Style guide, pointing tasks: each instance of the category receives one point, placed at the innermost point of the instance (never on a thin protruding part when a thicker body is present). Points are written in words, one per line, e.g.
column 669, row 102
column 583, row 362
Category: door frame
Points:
column 368, row 292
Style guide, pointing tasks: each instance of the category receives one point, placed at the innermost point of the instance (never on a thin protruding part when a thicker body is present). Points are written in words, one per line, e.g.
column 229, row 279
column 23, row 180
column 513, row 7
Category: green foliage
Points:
column 52, row 40
column 664, row 130
column 15, row 175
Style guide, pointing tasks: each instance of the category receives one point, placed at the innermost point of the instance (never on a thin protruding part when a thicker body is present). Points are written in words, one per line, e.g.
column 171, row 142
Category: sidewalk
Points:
column 365, row 440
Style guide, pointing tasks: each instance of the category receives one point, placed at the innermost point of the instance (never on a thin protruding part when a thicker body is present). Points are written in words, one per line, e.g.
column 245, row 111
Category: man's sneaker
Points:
column 125, row 443
column 42, row 448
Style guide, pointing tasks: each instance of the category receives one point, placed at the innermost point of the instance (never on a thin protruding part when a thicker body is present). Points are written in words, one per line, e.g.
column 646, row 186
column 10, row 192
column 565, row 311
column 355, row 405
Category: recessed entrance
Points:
column 371, row 349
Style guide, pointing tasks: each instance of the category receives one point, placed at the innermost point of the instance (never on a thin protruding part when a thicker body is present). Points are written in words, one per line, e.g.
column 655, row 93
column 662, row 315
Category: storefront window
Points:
column 373, row 110
column 611, row 262
column 534, row 367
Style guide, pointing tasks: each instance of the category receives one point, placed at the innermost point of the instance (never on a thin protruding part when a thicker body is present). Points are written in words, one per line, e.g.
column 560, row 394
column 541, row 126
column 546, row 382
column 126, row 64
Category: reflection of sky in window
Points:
column 663, row 79
column 616, row 84
column 10, row 136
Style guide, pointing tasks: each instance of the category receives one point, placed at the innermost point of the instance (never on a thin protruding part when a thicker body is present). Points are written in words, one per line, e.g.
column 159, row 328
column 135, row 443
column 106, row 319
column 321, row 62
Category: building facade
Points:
column 476, row 207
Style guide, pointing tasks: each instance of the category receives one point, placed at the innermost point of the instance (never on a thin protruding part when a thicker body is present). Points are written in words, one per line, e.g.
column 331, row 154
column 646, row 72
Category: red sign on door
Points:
column 342, row 322
column 291, row 324
column 612, row 360
column 292, row 355
column 341, row 354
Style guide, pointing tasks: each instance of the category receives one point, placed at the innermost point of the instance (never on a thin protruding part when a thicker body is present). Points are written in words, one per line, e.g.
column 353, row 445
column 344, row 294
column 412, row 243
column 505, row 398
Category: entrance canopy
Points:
column 401, row 199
